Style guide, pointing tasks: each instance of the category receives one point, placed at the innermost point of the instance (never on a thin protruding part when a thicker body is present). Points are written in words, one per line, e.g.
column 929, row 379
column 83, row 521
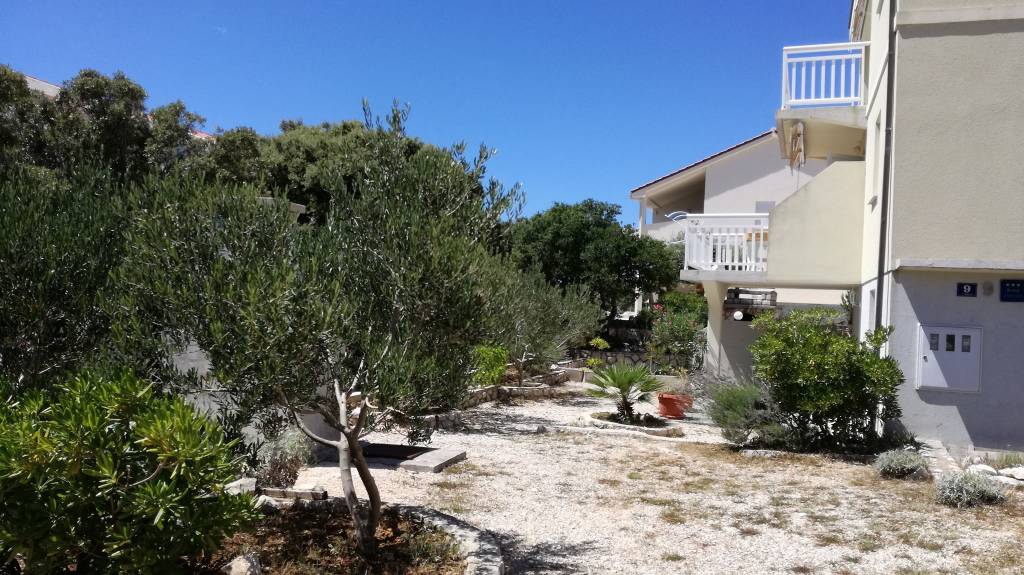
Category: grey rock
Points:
column 239, row 486
column 542, row 429
column 248, row 564
column 267, row 504
column 1014, row 472
column 1007, row 481
column 982, row 469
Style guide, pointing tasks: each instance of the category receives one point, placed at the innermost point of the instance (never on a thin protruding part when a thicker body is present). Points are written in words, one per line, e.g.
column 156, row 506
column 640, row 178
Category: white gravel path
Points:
column 598, row 504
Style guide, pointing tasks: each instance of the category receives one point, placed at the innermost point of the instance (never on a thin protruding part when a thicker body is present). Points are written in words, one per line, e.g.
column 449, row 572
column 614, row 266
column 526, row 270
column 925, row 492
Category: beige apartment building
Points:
column 899, row 175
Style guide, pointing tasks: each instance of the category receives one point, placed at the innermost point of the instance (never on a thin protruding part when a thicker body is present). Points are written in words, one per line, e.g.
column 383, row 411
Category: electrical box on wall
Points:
column 949, row 358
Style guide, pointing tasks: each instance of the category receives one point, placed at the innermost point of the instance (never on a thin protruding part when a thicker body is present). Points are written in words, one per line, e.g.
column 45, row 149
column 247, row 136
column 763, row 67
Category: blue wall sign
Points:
column 1011, row 290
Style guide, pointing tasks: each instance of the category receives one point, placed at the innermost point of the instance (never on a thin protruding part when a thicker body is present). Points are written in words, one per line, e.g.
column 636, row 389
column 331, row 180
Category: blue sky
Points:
column 581, row 99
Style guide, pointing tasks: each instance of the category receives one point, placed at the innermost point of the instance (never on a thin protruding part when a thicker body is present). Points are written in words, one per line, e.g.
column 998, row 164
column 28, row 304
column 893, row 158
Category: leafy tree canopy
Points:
column 585, row 244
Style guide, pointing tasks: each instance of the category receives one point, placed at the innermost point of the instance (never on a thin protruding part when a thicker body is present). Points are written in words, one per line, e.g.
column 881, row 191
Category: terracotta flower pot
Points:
column 674, row 405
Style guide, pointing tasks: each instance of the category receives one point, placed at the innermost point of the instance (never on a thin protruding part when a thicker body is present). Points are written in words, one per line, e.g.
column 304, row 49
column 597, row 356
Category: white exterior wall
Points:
column 737, row 182
column 876, row 31
column 757, row 173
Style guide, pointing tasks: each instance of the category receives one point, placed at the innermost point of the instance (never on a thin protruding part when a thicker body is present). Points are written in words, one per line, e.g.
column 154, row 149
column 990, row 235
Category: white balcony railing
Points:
column 823, row 75
column 725, row 242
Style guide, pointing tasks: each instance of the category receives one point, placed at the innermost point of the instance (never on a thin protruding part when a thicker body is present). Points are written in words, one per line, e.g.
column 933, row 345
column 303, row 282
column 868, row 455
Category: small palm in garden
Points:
column 626, row 384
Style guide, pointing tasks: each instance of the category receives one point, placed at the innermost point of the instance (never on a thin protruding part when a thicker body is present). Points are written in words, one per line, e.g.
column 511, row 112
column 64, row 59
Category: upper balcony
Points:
column 823, row 91
column 823, row 75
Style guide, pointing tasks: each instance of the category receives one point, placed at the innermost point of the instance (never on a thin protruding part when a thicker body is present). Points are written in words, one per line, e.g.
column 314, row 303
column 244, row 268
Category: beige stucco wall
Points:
column 736, row 183
column 952, row 4
column 958, row 187
column 815, row 234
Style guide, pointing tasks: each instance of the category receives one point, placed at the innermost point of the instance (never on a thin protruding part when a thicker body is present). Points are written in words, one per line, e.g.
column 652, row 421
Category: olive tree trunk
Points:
column 350, row 454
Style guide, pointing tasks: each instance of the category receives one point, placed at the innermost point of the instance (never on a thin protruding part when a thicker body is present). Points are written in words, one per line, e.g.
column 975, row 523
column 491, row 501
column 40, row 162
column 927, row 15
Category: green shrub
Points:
column 826, row 385
column 677, row 338
column 599, row 343
column 1004, row 460
column 968, row 490
column 595, row 363
column 491, row 362
column 626, row 384
column 685, row 302
column 900, row 463
column 742, row 413
column 101, row 475
column 284, row 458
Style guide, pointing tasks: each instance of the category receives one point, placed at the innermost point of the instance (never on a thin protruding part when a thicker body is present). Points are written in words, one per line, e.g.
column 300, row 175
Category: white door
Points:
column 949, row 358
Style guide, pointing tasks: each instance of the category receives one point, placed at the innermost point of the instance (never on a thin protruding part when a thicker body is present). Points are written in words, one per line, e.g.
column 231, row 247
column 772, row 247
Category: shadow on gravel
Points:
column 577, row 401
column 502, row 422
column 541, row 558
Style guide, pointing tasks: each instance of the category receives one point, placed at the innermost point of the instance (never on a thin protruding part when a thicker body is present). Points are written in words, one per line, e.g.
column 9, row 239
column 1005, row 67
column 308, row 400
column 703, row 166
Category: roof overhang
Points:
column 693, row 171
column 961, row 265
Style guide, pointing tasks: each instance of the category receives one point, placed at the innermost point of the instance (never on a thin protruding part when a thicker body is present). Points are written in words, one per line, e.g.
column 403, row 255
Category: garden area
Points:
column 342, row 349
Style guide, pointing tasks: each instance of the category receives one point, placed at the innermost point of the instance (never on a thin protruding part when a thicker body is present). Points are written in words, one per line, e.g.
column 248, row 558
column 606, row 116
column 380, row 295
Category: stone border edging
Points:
column 478, row 548
column 619, row 432
column 940, row 462
column 668, row 431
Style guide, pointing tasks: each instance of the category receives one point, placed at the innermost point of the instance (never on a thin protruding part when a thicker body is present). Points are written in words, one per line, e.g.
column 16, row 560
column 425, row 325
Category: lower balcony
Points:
column 726, row 242
column 812, row 239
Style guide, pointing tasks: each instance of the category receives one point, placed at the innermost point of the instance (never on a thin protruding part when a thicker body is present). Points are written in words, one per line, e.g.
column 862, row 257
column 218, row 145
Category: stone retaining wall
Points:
column 611, row 357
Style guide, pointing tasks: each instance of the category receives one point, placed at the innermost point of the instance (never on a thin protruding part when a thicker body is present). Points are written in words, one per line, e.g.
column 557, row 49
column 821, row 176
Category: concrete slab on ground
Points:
column 432, row 461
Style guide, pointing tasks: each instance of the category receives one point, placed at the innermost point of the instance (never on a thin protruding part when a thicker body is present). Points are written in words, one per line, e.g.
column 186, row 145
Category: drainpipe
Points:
column 890, row 92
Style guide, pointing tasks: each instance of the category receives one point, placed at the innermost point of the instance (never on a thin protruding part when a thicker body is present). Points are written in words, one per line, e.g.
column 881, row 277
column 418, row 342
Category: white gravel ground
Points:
column 599, row 504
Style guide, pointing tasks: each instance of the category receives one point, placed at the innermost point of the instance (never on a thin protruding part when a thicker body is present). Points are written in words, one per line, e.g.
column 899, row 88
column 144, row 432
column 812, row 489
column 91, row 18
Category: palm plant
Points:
column 626, row 384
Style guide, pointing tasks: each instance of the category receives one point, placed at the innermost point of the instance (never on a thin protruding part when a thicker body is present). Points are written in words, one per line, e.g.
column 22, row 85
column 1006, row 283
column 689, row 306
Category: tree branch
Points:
column 151, row 477
column 302, row 425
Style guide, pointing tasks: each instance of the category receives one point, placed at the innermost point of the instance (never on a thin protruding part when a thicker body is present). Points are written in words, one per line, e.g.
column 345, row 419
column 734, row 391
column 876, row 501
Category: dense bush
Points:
column 826, row 385
column 59, row 243
column 490, row 363
column 101, row 476
column 900, row 463
column 677, row 337
column 283, row 458
column 740, row 410
column 535, row 321
column 688, row 302
column 968, row 490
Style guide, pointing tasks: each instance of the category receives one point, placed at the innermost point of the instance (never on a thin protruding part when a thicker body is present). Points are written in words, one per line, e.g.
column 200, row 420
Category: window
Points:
column 965, row 343
column 763, row 206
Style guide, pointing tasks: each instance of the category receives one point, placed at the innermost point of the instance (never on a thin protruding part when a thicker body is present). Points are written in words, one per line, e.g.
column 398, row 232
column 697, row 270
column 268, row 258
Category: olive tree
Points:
column 341, row 327
column 532, row 319
column 60, row 241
